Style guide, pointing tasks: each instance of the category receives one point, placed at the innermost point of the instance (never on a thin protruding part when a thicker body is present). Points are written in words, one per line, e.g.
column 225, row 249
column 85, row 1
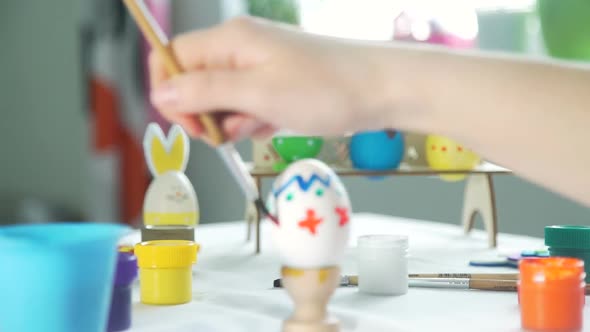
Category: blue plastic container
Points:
column 57, row 277
column 377, row 150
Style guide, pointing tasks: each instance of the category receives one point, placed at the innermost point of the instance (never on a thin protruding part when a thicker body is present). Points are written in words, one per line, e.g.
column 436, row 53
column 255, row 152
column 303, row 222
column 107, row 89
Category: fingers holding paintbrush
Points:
column 171, row 67
column 234, row 126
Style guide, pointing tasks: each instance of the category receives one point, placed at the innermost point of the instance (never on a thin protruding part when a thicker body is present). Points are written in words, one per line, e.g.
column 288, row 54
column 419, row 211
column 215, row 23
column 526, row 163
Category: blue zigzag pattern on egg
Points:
column 303, row 184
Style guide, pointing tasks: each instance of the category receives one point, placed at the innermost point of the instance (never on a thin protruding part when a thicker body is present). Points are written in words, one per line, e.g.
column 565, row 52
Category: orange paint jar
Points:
column 551, row 294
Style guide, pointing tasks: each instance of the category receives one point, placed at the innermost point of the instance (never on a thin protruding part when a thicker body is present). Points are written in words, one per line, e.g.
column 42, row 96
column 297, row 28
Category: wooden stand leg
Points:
column 258, row 216
column 248, row 222
column 479, row 198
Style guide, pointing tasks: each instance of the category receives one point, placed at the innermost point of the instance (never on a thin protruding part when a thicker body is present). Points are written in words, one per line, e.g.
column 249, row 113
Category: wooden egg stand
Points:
column 478, row 196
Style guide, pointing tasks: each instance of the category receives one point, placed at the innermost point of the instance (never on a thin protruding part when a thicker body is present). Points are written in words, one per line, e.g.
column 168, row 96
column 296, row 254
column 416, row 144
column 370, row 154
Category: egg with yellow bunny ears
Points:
column 445, row 154
column 313, row 214
column 170, row 199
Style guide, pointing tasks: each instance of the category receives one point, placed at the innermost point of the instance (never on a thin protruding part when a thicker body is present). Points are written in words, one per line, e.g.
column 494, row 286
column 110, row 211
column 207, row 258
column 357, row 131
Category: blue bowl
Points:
column 57, row 277
column 376, row 150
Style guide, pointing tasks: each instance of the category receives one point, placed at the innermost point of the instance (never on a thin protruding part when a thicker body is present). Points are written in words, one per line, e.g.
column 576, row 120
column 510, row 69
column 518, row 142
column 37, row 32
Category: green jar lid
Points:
column 566, row 236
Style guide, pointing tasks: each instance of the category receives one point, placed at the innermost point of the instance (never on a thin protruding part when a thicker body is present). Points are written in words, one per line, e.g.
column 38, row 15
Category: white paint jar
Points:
column 383, row 264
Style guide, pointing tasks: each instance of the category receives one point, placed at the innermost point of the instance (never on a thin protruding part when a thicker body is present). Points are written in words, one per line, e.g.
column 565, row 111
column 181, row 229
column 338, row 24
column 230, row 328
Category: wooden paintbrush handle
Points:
column 159, row 42
column 488, row 276
column 493, row 285
column 502, row 285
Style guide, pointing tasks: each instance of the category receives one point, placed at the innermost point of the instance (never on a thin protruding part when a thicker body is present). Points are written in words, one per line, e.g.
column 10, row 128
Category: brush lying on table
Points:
column 507, row 282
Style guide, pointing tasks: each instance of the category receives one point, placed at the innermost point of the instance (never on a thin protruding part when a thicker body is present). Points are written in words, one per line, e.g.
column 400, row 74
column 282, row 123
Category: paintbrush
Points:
column 350, row 280
column 481, row 281
column 227, row 151
column 452, row 283
column 488, row 276
column 465, row 283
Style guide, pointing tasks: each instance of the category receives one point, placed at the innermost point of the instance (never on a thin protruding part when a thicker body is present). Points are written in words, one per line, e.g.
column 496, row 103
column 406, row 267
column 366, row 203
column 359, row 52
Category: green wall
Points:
column 43, row 136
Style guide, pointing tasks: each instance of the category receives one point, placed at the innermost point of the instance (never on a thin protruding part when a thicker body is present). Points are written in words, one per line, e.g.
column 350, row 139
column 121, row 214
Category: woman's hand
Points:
column 515, row 111
column 256, row 76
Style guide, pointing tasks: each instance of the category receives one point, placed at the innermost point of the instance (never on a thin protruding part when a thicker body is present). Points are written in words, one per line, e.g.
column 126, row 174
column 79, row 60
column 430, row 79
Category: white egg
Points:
column 270, row 203
column 313, row 211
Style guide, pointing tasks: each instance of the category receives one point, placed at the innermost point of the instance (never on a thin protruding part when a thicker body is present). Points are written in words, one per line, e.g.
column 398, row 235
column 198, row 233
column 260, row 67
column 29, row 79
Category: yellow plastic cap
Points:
column 166, row 253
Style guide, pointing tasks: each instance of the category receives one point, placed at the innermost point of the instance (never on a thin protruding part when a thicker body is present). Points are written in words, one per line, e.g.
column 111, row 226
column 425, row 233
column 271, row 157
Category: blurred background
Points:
column 74, row 107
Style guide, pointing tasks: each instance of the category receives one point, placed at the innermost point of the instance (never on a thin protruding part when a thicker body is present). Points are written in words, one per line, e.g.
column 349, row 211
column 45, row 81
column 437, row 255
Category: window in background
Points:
column 374, row 19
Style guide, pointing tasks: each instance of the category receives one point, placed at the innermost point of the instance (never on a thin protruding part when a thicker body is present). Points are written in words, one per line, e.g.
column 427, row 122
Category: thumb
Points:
column 206, row 91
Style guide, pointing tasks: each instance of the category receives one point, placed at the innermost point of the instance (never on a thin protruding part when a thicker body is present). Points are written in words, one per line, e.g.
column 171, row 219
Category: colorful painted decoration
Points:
column 445, row 154
column 170, row 199
column 293, row 148
column 314, row 212
column 377, row 150
column 264, row 154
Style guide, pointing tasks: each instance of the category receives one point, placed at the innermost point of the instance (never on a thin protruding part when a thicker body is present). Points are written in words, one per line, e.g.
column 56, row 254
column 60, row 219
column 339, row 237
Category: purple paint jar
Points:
column 120, row 314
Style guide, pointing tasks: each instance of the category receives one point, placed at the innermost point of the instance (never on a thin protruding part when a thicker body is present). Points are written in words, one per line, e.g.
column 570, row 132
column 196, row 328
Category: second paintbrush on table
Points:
column 350, row 280
column 507, row 282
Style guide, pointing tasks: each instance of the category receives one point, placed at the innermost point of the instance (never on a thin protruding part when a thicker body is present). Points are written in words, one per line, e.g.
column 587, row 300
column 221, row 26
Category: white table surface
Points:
column 232, row 289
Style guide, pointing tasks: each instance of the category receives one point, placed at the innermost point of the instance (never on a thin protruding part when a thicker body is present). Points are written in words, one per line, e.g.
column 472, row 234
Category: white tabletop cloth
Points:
column 232, row 288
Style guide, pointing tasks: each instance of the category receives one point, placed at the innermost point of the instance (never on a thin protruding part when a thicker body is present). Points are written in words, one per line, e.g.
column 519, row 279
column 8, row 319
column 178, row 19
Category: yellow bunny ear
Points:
column 165, row 154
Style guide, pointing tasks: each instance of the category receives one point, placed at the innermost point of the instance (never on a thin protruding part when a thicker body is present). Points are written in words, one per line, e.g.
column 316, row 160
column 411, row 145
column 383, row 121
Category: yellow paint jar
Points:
column 165, row 270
